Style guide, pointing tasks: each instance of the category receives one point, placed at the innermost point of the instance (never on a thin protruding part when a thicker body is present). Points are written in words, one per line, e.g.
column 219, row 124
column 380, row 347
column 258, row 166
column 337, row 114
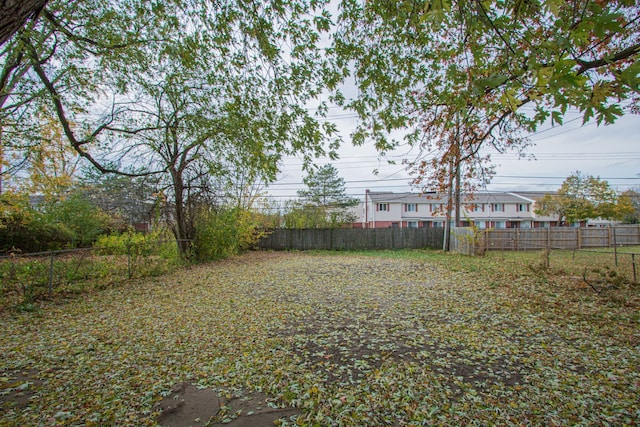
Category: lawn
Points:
column 387, row 338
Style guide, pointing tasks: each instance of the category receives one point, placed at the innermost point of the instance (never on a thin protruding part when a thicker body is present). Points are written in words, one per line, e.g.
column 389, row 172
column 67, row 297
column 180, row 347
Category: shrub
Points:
column 85, row 220
column 158, row 243
column 26, row 229
column 225, row 232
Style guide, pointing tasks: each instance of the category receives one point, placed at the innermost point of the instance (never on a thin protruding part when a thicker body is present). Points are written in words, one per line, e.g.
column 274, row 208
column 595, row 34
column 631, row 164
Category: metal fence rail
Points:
column 603, row 246
column 25, row 277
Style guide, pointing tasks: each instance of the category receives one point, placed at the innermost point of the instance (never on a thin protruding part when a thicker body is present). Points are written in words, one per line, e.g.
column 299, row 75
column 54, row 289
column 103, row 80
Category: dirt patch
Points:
column 191, row 406
column 17, row 388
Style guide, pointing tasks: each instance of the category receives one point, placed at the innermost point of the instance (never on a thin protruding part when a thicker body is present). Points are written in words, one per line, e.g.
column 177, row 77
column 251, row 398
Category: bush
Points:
column 225, row 232
column 85, row 220
column 25, row 229
column 158, row 243
column 66, row 223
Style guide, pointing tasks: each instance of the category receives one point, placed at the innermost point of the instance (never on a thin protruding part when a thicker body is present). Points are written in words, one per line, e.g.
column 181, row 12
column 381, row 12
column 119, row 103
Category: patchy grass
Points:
column 24, row 279
column 385, row 338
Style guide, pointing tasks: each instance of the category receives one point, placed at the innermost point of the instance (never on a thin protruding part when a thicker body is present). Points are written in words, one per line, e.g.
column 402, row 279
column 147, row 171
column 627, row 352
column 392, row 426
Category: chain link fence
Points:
column 25, row 278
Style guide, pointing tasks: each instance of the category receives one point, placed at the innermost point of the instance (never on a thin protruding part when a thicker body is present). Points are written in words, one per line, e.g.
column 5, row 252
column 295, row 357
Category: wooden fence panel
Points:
column 564, row 238
column 556, row 238
column 462, row 240
column 595, row 237
column 353, row 239
column 626, row 235
column 532, row 239
column 503, row 240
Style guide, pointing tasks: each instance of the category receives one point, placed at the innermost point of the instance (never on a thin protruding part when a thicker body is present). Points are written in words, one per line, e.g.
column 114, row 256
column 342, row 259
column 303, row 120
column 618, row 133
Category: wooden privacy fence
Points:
column 518, row 239
column 353, row 239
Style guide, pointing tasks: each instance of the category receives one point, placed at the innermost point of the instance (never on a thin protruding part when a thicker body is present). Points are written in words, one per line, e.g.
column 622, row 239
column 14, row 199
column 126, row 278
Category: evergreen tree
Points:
column 324, row 203
column 325, row 188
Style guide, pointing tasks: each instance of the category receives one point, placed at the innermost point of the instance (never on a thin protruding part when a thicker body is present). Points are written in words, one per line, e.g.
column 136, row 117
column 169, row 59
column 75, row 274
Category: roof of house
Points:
column 479, row 197
column 534, row 195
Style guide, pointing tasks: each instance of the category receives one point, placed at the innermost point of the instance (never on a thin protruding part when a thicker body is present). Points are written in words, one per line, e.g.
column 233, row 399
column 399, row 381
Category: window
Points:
column 412, row 224
column 395, row 225
column 438, row 224
column 525, row 224
column 478, row 207
column 410, row 207
column 523, row 207
column 499, row 225
column 382, row 207
column 497, row 207
column 481, row 224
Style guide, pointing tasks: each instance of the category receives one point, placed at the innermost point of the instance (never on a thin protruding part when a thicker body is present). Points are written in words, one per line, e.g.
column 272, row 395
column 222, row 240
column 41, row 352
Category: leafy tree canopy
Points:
column 459, row 73
column 631, row 198
column 83, row 61
column 583, row 197
column 176, row 89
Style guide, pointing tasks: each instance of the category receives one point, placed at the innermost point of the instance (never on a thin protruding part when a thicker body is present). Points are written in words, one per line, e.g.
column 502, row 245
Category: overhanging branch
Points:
column 76, row 143
column 620, row 56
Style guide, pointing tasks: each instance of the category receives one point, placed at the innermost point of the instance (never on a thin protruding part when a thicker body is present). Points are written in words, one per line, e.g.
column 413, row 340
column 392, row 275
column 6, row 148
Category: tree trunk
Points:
column 15, row 13
column 182, row 229
column 457, row 193
column 447, row 226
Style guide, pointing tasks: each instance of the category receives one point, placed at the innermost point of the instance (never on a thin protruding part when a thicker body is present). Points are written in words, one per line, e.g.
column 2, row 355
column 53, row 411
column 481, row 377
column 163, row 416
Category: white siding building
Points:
column 483, row 209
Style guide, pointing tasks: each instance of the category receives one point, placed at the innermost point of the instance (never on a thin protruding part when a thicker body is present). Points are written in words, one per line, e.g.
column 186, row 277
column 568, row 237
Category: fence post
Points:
column 129, row 260
column 51, row 259
column 546, row 252
column 633, row 264
column 615, row 245
column 579, row 237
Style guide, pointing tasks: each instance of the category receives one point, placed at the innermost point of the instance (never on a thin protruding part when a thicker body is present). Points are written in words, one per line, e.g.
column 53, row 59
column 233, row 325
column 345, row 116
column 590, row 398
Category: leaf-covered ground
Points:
column 349, row 339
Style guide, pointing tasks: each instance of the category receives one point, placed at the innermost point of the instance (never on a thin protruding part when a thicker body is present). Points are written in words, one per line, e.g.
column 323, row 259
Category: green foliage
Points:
column 324, row 204
column 325, row 188
column 298, row 215
column 85, row 220
column 454, row 75
column 68, row 222
column 128, row 200
column 630, row 203
column 140, row 244
column 25, row 279
column 582, row 197
column 225, row 232
column 26, row 229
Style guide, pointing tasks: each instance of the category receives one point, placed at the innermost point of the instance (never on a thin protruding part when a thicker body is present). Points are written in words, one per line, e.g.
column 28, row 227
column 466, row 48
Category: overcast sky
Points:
column 611, row 152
